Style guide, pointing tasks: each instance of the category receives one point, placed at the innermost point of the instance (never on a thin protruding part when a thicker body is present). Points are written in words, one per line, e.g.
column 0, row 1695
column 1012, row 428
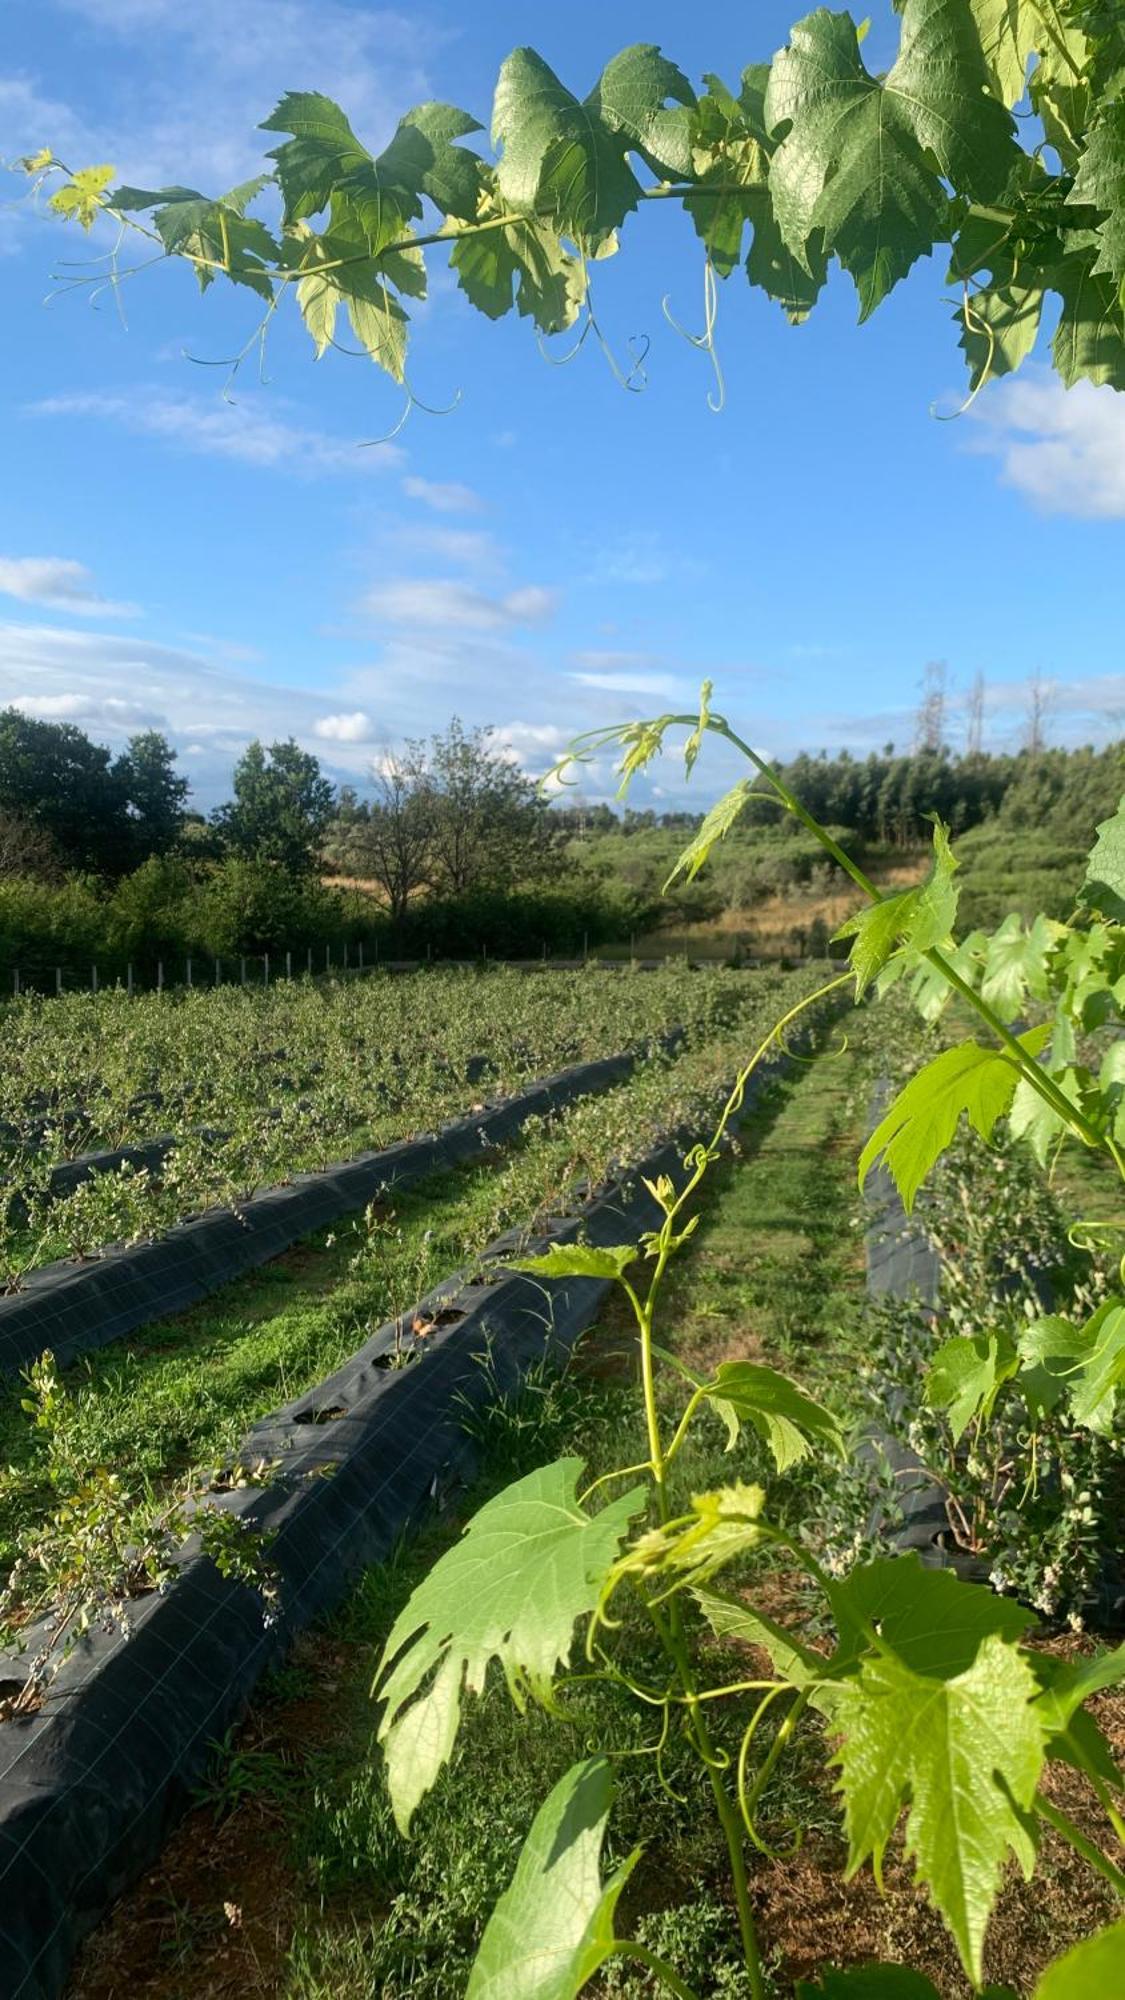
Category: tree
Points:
column 819, row 159
column 489, row 826
column 53, row 778
column 27, row 849
column 391, row 843
column 281, row 808
column 155, row 795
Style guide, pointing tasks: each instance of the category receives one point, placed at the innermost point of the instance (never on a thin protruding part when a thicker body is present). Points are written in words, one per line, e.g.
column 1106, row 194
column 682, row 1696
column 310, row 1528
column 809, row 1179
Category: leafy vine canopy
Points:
column 997, row 134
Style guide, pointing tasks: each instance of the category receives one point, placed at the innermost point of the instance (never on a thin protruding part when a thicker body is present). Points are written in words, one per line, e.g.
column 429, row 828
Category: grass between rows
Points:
column 291, row 1878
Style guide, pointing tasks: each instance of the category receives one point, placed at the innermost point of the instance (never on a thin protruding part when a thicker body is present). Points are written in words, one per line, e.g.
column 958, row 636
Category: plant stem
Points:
column 1080, row 1843
column 660, row 1966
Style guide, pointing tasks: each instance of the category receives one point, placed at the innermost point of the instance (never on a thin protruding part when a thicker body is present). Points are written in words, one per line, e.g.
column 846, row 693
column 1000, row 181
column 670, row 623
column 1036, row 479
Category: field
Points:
column 289, row 1875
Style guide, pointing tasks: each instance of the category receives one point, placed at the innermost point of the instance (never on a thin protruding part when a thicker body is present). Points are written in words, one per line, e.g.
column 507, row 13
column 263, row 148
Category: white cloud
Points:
column 61, row 584
column 357, row 727
column 442, row 604
column 1063, row 448
column 444, row 497
column 213, row 70
column 215, row 428
column 472, row 548
column 665, row 686
column 91, row 710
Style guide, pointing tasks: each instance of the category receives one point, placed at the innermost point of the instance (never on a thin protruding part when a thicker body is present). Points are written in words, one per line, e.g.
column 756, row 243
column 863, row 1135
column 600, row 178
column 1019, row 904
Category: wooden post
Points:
column 345, row 954
column 328, row 958
column 160, row 975
column 266, row 968
column 129, row 979
column 58, row 979
column 16, row 981
column 189, row 974
column 93, row 979
column 218, row 971
column 288, row 965
column 360, row 948
column 242, row 969
column 309, row 965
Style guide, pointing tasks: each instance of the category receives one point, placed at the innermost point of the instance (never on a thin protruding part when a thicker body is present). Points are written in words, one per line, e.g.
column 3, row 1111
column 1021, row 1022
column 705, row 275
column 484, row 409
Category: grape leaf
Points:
column 730, row 160
column 1088, row 1360
column 931, row 1620
column 998, row 328
column 1033, row 1119
column 523, row 264
column 579, row 1260
column 193, row 225
column 717, row 823
column 784, row 1417
column 554, row 1924
column 631, row 99
column 559, row 159
column 323, row 164
column 1103, row 889
column 1011, row 32
column 1089, row 342
column 966, row 1751
column 966, row 1376
column 1073, row 1735
column 915, row 919
column 966, row 1080
column 529, row 1564
column 1100, row 183
column 1094, row 1967
column 1016, row 963
column 863, row 158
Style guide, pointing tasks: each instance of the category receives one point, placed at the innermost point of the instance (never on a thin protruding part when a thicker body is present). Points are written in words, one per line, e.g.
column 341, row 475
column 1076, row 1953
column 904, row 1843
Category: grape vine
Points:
column 998, row 131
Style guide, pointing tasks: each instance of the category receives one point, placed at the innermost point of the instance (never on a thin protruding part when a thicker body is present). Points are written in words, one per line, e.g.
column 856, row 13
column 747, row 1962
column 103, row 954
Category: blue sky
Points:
column 556, row 552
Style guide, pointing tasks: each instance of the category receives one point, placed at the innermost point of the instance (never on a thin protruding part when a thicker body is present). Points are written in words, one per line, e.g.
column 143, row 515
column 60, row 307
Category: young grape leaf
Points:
column 966, row 1376
column 529, row 1564
column 930, row 990
column 1088, row 1360
column 966, row 1750
column 1088, row 1970
column 1011, row 31
column 1016, row 962
column 730, row 1618
column 82, row 198
column 1104, row 887
column 863, row 157
column 559, row 159
column 915, row 919
column 1033, row 1119
column 784, row 1417
column 997, row 329
column 553, row 1927
column 979, row 1083
column 716, row 825
column 578, row 1260
column 722, row 1524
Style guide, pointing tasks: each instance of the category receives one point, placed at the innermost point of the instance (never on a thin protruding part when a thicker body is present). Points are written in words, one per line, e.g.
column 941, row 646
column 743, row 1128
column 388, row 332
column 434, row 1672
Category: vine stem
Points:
column 1080, row 1843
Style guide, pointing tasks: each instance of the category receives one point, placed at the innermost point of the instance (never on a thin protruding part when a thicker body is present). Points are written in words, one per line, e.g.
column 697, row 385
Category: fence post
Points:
column 189, row 974
column 288, row 965
column 160, row 975
column 345, row 954
column 266, row 967
column 218, row 970
column 376, row 951
column 58, row 979
column 242, row 970
column 16, row 981
column 328, row 958
column 586, row 947
column 632, row 947
column 361, row 954
column 129, row 979
column 309, row 965
column 93, row 979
